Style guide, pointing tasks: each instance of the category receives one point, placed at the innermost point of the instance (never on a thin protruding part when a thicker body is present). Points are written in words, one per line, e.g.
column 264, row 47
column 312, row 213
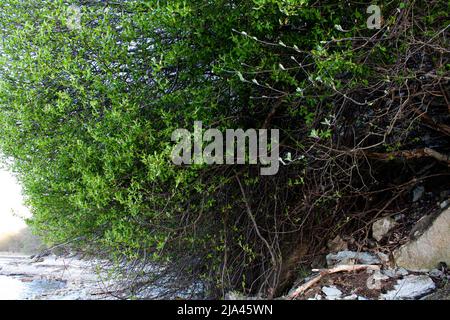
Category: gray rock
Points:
column 429, row 249
column 381, row 227
column 444, row 204
column 351, row 257
column 395, row 273
column 337, row 244
column 410, row 287
column 332, row 293
column 436, row 273
column 418, row 193
column 402, row 272
column 383, row 257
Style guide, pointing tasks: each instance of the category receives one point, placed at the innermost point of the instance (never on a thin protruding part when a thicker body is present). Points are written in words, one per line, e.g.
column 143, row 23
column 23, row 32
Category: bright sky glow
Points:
column 12, row 210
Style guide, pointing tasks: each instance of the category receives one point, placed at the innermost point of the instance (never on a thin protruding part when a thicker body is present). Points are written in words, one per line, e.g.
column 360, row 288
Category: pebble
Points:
column 444, row 204
column 381, row 227
column 436, row 273
column 332, row 293
column 418, row 193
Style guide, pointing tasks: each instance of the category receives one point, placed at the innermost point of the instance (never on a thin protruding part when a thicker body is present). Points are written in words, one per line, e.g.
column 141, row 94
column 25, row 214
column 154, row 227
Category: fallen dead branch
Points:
column 410, row 154
column 323, row 272
column 437, row 155
column 442, row 128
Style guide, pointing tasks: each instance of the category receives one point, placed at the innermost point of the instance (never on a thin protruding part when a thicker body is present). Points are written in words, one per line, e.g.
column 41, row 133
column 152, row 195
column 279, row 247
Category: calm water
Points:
column 12, row 288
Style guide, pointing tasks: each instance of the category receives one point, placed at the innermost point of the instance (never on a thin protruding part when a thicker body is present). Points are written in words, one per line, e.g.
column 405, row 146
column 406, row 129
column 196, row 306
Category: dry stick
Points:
column 442, row 128
column 437, row 155
column 348, row 268
column 410, row 154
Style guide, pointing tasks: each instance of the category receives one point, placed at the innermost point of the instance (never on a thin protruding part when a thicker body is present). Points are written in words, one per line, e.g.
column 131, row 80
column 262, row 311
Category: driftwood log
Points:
column 323, row 272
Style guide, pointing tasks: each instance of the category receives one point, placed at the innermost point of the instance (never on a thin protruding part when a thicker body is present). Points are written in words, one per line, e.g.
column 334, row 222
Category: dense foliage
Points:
column 87, row 112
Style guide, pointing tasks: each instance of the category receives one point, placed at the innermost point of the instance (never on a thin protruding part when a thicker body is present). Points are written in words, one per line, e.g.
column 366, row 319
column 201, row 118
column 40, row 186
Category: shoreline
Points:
column 53, row 278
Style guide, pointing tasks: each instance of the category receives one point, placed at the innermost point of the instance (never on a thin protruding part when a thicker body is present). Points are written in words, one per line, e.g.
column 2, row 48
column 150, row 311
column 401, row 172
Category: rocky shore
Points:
column 411, row 269
column 51, row 278
column 414, row 268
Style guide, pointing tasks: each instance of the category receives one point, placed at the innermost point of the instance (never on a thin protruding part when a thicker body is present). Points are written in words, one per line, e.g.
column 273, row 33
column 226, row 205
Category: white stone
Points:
column 332, row 293
column 381, row 227
column 410, row 287
column 351, row 297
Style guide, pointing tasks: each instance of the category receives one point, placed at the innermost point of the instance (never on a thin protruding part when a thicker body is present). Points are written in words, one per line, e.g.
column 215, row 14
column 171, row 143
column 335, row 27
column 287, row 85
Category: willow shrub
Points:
column 87, row 114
